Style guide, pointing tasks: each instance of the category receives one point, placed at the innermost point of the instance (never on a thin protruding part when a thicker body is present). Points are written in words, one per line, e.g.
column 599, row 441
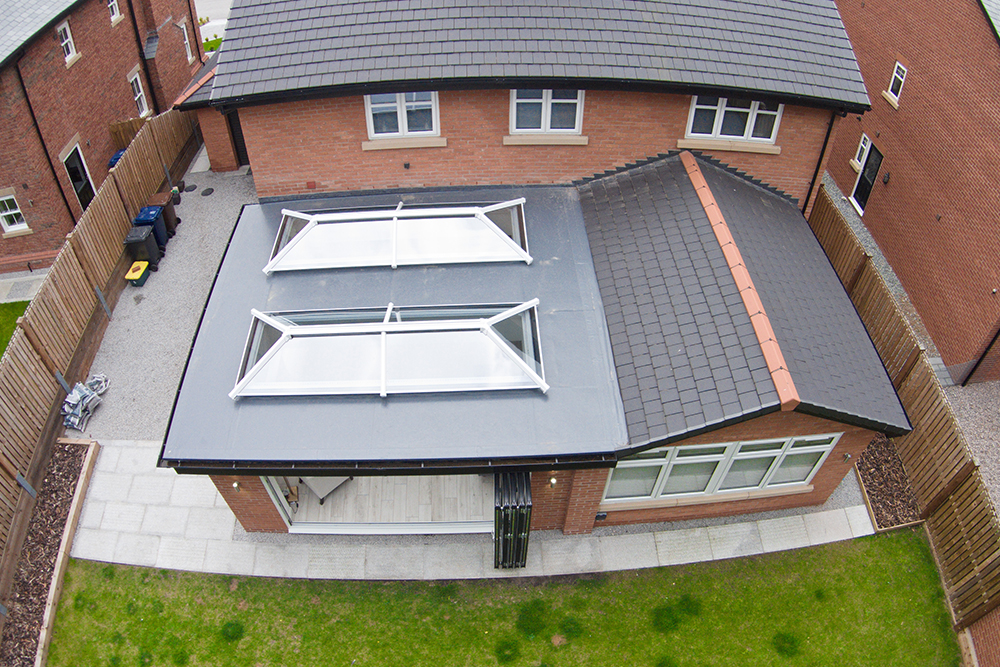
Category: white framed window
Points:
column 402, row 115
column 733, row 118
column 864, row 145
column 187, row 41
column 11, row 219
column 392, row 350
column 540, row 110
column 717, row 469
column 114, row 11
column 66, row 41
column 138, row 94
column 896, row 84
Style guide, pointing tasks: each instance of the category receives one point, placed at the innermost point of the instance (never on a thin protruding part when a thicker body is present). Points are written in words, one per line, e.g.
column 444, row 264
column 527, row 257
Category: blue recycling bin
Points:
column 152, row 216
column 114, row 158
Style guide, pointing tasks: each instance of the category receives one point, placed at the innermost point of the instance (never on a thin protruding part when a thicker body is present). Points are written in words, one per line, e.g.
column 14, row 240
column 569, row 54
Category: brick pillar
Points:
column 548, row 503
column 584, row 498
column 252, row 505
column 218, row 140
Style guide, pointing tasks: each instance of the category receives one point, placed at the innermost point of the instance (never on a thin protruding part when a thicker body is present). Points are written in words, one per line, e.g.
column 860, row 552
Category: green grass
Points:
column 872, row 601
column 9, row 312
column 213, row 44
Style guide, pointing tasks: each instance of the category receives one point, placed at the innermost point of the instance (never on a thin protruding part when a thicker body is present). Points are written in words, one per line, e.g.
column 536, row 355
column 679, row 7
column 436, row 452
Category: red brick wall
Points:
column 577, row 494
column 252, row 505
column 218, row 140
column 941, row 152
column 319, row 141
column 986, row 639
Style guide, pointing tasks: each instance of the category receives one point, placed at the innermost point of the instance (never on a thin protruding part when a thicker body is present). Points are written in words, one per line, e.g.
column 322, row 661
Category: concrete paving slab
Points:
column 288, row 561
column 94, row 545
column 193, row 491
column 781, row 534
column 466, row 561
column 825, row 527
column 403, row 562
column 122, row 517
column 137, row 549
column 92, row 514
column 210, row 523
column 628, row 552
column 571, row 555
column 107, row 459
column 229, row 557
column 532, row 567
column 331, row 561
column 140, row 458
column 165, row 521
column 735, row 540
column 151, row 489
column 689, row 545
column 109, row 486
column 860, row 521
column 177, row 553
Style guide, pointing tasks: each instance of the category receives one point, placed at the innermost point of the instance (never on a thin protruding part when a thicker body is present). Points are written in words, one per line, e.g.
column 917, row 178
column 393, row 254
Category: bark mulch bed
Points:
column 19, row 642
column 889, row 493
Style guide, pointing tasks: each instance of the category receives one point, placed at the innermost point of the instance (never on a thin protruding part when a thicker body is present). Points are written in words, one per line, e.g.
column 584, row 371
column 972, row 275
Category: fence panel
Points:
column 172, row 131
column 97, row 239
column 139, row 172
column 124, row 132
column 23, row 377
column 889, row 330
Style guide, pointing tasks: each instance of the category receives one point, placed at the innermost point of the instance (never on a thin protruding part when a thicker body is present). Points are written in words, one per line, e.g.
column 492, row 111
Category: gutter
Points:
column 41, row 139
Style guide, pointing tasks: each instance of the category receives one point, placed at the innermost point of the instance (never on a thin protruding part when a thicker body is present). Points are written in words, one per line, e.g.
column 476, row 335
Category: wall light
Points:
column 236, row 487
column 847, row 456
column 552, row 482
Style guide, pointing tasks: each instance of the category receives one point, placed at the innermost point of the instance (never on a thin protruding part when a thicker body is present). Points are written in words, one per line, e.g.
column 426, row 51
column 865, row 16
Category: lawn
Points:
column 871, row 601
column 9, row 312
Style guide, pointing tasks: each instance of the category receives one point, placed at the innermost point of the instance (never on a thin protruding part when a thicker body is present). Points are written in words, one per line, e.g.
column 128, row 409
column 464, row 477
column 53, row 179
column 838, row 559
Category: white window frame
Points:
column 546, row 114
column 7, row 214
column 115, row 12
column 720, row 111
column 898, row 74
column 66, row 42
column 725, row 459
column 404, row 131
column 864, row 145
column 187, row 42
column 138, row 94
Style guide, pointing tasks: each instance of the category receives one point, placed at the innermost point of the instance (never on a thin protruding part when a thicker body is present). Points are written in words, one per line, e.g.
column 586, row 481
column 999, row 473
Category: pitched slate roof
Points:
column 992, row 9
column 686, row 353
column 24, row 19
column 198, row 93
column 788, row 48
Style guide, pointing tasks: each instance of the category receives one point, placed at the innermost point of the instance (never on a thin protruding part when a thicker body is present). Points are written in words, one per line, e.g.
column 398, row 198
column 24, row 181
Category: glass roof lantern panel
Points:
column 400, row 237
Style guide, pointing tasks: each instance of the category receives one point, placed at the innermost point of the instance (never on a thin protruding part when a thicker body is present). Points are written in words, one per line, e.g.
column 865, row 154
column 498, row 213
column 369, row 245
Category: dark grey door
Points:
column 866, row 179
column 79, row 177
column 239, row 144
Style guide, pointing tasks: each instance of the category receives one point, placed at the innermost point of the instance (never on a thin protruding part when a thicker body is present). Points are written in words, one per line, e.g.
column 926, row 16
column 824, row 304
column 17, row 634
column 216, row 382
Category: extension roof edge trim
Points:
column 776, row 364
column 394, row 237
column 508, row 369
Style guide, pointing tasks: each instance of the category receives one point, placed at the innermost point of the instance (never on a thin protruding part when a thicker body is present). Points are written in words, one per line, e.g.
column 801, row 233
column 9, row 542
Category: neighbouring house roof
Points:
column 992, row 9
column 791, row 49
column 687, row 355
column 24, row 19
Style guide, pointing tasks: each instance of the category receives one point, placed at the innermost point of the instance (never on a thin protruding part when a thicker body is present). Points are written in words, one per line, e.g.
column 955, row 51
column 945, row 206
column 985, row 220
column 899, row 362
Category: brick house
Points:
column 665, row 341
column 933, row 212
column 68, row 70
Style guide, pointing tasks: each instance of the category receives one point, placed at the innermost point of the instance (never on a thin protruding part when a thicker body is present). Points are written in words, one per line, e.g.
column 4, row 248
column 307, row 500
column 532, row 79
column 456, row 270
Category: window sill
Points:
column 72, row 59
column 404, row 142
column 116, row 20
column 893, row 102
column 14, row 233
column 736, row 146
column 855, row 165
column 612, row 506
column 543, row 139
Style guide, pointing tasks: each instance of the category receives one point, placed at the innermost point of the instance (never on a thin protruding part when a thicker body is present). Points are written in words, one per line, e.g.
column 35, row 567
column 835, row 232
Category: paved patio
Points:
column 136, row 513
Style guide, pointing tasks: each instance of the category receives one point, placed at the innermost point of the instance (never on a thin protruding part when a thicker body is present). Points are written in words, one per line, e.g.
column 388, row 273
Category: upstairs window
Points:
column 544, row 110
column 66, row 41
column 436, row 234
column 392, row 350
column 862, row 153
column 138, row 94
column 10, row 215
column 113, row 10
column 734, row 118
column 895, row 85
column 402, row 115
column 187, row 42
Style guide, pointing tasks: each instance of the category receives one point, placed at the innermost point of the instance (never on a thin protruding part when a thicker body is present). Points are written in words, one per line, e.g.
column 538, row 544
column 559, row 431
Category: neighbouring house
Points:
column 932, row 211
column 68, row 70
column 439, row 315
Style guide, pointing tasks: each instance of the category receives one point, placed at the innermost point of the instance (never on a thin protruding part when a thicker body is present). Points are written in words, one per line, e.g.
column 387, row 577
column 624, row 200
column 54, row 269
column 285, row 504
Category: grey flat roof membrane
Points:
column 579, row 418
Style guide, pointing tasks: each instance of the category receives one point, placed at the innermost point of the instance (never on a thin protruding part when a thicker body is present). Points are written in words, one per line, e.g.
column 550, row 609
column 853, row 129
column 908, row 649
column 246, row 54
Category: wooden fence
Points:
column 961, row 520
column 61, row 329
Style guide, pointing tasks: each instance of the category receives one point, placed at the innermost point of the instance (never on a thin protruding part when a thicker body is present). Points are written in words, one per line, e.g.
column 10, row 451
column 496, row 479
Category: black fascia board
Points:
column 493, row 83
column 388, row 468
column 48, row 26
column 890, row 430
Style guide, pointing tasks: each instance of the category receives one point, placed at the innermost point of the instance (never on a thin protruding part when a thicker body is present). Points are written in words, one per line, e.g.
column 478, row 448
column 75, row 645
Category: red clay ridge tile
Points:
column 773, row 357
column 195, row 87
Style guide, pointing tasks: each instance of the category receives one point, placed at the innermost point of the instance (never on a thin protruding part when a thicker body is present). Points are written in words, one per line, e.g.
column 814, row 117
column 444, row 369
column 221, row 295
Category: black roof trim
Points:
column 854, row 420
